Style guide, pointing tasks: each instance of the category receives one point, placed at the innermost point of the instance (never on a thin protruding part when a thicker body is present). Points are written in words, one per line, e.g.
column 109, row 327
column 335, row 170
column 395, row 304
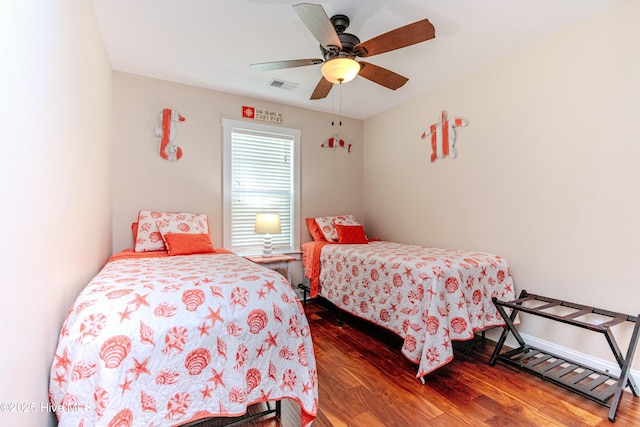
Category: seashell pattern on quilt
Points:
column 428, row 296
column 164, row 341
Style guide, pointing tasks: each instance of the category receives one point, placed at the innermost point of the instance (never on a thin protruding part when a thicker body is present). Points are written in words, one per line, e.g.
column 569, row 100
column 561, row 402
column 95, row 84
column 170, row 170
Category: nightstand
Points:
column 274, row 262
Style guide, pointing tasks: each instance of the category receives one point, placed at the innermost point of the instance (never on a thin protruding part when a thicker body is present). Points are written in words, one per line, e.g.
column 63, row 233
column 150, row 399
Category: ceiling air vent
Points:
column 282, row 84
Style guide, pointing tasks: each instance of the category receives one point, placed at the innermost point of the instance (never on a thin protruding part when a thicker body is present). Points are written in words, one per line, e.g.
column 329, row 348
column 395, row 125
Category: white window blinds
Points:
column 261, row 176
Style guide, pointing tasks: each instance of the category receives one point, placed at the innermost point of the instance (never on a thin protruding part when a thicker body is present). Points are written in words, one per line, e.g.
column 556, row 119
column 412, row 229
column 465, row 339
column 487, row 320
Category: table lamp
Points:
column 267, row 224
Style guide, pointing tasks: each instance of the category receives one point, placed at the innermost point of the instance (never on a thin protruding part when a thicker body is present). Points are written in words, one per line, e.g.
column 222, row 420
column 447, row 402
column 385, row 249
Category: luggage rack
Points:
column 601, row 387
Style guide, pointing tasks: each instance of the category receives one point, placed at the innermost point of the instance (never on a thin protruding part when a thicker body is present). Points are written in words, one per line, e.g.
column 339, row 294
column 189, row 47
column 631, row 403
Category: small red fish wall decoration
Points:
column 168, row 119
column 443, row 136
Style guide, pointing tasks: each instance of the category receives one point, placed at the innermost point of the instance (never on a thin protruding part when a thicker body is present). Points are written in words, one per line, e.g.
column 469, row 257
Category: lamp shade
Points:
column 340, row 70
column 267, row 223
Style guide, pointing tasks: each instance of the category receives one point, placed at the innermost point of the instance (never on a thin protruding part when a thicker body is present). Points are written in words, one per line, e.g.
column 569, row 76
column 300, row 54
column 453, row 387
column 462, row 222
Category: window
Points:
column 261, row 175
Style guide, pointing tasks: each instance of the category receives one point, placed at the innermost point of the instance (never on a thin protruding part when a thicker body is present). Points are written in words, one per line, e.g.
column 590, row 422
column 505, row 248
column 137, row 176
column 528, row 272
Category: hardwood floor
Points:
column 364, row 380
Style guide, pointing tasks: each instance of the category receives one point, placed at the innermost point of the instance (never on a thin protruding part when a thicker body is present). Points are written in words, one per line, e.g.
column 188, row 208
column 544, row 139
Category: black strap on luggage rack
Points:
column 601, row 387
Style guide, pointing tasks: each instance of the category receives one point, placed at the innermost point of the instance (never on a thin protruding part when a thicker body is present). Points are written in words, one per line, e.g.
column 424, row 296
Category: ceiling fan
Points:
column 339, row 50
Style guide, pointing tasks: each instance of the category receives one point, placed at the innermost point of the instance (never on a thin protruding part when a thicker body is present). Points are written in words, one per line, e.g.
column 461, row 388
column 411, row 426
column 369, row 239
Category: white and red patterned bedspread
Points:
column 427, row 296
column 163, row 341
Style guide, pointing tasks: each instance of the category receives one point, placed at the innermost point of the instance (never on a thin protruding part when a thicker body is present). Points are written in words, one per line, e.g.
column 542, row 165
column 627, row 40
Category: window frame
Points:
column 228, row 127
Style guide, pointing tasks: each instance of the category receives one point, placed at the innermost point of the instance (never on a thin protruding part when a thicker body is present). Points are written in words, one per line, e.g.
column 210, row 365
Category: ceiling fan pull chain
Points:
column 340, row 102
column 333, row 103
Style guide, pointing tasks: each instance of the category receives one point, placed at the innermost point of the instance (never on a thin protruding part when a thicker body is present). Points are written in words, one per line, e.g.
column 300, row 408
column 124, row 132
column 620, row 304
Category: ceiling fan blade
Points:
column 322, row 89
column 276, row 65
column 395, row 39
column 382, row 76
column 317, row 21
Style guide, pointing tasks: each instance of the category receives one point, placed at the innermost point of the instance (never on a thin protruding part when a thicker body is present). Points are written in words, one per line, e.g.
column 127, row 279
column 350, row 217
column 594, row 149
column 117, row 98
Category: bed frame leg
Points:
column 305, row 290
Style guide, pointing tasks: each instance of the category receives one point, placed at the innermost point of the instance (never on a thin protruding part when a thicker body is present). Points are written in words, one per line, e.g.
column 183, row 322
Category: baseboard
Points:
column 581, row 358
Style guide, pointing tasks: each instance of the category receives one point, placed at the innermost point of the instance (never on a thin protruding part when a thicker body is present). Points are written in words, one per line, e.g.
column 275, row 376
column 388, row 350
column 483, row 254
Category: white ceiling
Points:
column 210, row 43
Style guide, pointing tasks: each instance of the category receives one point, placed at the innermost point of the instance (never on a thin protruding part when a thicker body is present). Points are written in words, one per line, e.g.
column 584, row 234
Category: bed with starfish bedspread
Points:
column 159, row 340
column 428, row 296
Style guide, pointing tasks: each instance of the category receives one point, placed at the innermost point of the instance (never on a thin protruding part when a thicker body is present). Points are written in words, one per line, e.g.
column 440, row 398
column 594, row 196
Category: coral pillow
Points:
column 351, row 234
column 314, row 230
column 149, row 237
column 188, row 244
column 134, row 231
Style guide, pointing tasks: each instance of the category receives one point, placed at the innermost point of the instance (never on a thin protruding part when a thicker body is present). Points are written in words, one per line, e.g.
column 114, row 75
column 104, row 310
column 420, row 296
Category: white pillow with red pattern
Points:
column 327, row 225
column 149, row 237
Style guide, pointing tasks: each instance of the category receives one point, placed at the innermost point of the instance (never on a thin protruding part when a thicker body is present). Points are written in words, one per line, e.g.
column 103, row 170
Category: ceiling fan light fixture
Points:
column 340, row 70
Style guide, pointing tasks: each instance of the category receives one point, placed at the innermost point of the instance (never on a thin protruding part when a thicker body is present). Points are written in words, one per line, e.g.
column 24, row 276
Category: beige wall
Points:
column 547, row 171
column 331, row 179
column 55, row 223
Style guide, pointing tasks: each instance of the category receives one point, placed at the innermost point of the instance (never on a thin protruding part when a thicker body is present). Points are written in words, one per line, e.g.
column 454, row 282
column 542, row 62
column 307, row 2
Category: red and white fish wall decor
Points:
column 443, row 136
column 168, row 119
column 335, row 142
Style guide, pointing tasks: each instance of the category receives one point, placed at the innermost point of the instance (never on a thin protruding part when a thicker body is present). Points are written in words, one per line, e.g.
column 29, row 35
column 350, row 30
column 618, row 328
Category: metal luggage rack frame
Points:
column 601, row 387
